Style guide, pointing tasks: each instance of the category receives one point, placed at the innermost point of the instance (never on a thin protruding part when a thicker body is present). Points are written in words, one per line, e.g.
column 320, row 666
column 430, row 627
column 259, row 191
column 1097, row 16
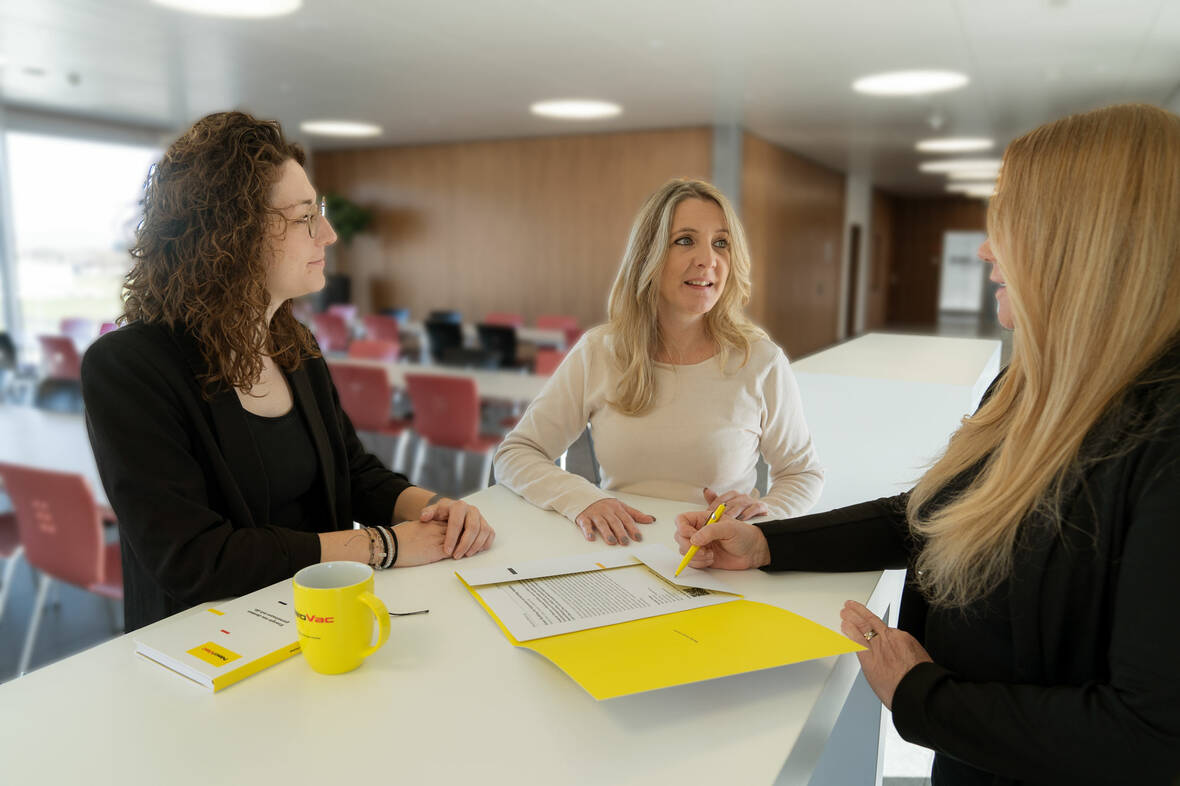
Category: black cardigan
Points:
column 1092, row 631
column 187, row 481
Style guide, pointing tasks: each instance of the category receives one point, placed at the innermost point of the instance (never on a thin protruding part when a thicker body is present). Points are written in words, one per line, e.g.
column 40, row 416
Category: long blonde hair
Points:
column 634, row 299
column 1086, row 226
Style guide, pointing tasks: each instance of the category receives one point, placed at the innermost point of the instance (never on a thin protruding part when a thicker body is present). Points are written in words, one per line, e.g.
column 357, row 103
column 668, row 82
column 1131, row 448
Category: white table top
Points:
column 938, row 359
column 48, row 440
column 505, row 385
column 447, row 700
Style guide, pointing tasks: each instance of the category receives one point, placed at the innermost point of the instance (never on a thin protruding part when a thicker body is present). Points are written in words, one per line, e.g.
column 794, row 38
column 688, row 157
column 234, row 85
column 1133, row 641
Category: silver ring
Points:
column 869, row 634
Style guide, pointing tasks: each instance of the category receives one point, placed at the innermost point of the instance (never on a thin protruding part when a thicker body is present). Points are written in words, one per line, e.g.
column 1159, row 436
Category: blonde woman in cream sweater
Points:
column 681, row 391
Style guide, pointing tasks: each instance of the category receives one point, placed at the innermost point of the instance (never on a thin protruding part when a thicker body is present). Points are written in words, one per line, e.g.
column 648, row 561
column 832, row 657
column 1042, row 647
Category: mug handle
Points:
column 382, row 614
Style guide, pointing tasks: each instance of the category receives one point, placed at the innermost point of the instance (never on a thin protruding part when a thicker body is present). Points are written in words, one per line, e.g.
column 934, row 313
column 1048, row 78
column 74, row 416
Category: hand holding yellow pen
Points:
column 692, row 550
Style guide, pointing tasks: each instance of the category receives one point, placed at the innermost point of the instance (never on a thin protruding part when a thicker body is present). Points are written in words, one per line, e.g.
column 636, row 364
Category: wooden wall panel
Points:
column 793, row 212
column 529, row 225
column 880, row 261
column 918, row 227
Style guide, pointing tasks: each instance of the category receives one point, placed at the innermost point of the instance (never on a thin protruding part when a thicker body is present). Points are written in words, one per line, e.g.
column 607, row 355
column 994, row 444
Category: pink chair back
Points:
column 80, row 329
column 59, row 358
column 59, row 524
column 503, row 318
column 331, row 331
column 446, row 409
column 346, row 311
column 365, row 395
column 382, row 328
column 557, row 322
column 107, row 327
column 547, row 361
column 373, row 349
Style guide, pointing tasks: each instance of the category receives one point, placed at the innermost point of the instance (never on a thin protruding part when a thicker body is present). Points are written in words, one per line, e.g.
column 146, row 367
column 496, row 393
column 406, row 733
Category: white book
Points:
column 226, row 642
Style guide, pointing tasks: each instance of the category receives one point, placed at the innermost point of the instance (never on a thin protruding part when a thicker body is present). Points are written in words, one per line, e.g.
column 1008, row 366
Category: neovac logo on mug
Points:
column 334, row 612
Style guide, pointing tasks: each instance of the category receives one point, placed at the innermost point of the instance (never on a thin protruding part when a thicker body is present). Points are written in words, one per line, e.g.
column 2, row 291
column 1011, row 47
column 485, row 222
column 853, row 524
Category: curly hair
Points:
column 202, row 250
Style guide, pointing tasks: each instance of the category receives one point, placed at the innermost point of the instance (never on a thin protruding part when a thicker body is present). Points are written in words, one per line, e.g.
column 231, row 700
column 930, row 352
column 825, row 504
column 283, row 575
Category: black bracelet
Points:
column 393, row 535
column 389, row 553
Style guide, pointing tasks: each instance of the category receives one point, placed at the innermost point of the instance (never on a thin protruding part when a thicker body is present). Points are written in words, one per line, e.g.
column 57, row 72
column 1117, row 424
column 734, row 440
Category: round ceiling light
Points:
column 576, row 109
column 238, row 9
column 347, row 128
column 909, row 83
column 959, row 164
column 954, row 145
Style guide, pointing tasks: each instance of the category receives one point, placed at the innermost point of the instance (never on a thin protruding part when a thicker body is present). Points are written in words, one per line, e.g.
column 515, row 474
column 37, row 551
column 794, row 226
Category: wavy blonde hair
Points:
column 1086, row 226
column 632, row 310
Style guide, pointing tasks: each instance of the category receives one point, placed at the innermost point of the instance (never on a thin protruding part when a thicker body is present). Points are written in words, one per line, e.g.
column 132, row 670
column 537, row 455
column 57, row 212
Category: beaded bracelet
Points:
column 375, row 557
column 388, row 548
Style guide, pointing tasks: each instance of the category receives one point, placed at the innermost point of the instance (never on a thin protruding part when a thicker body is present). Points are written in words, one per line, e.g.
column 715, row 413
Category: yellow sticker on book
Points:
column 212, row 653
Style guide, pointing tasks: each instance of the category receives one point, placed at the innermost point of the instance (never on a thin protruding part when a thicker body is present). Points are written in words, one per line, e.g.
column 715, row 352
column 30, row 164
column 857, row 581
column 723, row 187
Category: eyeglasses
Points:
column 312, row 219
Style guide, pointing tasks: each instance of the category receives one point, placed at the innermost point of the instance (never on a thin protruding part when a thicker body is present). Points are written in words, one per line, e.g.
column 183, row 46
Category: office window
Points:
column 74, row 209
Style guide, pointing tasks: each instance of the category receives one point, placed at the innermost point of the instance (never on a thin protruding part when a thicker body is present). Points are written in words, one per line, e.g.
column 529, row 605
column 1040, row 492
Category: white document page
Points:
column 540, row 607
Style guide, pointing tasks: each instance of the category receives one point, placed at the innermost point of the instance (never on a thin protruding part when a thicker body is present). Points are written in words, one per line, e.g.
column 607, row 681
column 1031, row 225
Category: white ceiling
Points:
column 448, row 70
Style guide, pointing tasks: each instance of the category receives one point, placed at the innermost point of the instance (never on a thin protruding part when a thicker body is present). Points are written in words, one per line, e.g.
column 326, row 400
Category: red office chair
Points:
column 446, row 415
column 59, row 358
column 61, row 530
column 10, row 550
column 557, row 322
column 503, row 318
column 547, row 361
column 381, row 328
column 346, row 311
column 367, row 397
column 373, row 349
column 331, row 331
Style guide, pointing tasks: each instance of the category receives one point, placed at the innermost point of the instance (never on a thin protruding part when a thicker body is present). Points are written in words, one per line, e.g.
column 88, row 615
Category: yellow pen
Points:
column 692, row 550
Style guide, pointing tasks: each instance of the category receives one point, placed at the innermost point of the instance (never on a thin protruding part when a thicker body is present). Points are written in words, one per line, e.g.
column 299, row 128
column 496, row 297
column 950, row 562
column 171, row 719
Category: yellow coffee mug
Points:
column 334, row 611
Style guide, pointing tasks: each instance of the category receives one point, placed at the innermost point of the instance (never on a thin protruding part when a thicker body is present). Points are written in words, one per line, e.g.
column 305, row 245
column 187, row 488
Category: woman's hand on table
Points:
column 727, row 543
column 740, row 506
column 891, row 652
column 448, row 528
column 615, row 521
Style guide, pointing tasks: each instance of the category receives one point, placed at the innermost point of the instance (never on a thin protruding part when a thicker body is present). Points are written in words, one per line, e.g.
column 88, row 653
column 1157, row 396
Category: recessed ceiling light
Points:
column 954, row 145
column 958, row 164
column 576, row 109
column 240, row 9
column 973, row 174
column 347, row 128
column 972, row 189
column 909, row 83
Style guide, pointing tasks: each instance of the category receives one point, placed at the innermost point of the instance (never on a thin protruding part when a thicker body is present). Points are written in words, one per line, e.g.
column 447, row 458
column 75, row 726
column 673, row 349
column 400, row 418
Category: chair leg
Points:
column 419, row 460
column 9, row 569
column 486, row 477
column 43, row 583
column 459, row 458
column 399, row 451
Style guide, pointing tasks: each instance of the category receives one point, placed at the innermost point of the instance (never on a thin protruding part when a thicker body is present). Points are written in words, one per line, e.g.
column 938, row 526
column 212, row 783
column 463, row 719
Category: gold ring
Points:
column 869, row 634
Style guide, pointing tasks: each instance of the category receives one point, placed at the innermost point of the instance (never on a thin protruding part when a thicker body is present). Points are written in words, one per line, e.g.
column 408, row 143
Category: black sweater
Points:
column 1069, row 672
column 187, row 482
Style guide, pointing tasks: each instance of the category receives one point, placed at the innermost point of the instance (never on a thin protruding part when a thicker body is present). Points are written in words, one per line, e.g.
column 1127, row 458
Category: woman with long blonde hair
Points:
column 681, row 391
column 1038, row 642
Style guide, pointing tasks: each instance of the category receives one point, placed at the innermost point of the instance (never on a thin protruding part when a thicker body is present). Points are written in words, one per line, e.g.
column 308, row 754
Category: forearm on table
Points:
column 347, row 544
column 794, row 493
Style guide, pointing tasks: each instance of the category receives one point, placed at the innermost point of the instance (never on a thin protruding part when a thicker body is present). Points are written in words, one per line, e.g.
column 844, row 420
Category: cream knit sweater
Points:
column 707, row 428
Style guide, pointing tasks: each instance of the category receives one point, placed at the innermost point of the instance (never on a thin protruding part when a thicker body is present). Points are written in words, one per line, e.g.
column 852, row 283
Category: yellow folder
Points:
column 683, row 647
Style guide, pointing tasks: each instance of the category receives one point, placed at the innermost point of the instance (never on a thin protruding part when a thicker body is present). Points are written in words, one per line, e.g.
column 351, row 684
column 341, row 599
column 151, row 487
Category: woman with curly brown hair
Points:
column 217, row 430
